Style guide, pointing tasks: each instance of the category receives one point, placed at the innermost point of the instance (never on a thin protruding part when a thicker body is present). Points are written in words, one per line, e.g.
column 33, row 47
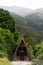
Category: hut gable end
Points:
column 22, row 52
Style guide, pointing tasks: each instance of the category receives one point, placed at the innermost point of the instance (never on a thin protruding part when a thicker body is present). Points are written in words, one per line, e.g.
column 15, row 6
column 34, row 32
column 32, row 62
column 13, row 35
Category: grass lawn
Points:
column 4, row 61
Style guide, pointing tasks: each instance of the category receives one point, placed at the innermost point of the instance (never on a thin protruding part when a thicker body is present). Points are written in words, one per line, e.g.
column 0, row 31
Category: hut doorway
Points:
column 21, row 53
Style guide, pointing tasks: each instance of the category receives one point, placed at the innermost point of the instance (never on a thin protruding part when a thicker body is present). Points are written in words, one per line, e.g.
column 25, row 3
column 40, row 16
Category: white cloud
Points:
column 33, row 4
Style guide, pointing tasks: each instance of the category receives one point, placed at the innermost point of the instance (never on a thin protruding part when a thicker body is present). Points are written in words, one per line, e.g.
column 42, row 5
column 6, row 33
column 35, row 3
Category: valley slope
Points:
column 22, row 27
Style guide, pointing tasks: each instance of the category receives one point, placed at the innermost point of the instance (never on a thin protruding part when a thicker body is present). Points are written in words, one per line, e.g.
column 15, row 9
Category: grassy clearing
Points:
column 4, row 61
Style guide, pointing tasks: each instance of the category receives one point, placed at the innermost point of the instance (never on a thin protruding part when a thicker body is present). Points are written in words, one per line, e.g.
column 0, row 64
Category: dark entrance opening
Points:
column 22, row 53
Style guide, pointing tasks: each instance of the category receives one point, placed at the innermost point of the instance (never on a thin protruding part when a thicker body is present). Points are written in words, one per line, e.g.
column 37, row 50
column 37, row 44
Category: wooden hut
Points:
column 22, row 53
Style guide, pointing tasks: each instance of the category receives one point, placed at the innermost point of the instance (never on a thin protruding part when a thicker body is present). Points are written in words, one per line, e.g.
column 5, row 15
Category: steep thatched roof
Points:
column 29, row 53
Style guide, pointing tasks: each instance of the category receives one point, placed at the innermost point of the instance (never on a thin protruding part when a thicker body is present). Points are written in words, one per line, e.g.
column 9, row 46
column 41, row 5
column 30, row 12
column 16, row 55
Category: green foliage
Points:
column 8, row 34
column 6, row 20
column 16, row 36
column 38, row 51
column 6, row 41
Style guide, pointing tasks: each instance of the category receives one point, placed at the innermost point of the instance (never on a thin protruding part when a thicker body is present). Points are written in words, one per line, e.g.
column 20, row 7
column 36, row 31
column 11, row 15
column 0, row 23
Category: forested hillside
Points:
column 35, row 20
column 33, row 35
column 24, row 26
column 13, row 26
column 8, row 34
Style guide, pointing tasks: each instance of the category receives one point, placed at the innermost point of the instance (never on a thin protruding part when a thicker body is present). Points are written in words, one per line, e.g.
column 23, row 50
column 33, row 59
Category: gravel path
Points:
column 21, row 63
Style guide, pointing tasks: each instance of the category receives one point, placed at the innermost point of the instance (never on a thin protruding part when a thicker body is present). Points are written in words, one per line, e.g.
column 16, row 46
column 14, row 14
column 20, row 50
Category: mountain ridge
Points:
column 22, row 11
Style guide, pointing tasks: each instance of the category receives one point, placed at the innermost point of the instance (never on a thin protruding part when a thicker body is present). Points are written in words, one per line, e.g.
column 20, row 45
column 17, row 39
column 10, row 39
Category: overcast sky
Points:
column 33, row 4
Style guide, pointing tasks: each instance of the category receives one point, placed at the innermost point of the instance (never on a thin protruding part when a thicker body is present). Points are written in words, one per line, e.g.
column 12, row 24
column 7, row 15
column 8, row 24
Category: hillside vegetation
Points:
column 23, row 26
column 35, row 20
column 12, row 27
column 8, row 34
column 32, row 35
